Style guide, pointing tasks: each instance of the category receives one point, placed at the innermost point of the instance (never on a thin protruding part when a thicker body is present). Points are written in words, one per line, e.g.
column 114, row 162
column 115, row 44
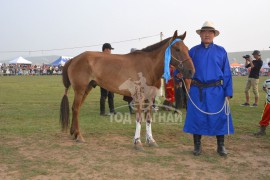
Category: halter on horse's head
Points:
column 180, row 58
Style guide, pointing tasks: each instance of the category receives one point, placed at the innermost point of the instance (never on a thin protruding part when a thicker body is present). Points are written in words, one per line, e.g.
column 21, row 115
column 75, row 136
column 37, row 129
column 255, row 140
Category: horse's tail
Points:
column 65, row 79
column 64, row 108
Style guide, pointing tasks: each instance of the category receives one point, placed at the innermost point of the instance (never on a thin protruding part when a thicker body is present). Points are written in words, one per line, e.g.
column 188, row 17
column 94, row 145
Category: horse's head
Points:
column 180, row 57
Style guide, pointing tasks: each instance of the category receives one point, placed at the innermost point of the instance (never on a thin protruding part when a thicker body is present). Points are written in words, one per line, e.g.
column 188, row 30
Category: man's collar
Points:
column 209, row 46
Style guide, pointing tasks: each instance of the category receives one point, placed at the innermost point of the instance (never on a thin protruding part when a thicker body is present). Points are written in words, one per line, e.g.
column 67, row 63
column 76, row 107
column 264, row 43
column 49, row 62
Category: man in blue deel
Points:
column 211, row 88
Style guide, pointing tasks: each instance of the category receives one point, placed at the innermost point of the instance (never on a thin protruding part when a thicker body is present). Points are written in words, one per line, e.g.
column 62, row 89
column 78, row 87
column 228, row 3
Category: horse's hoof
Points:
column 80, row 139
column 152, row 143
column 72, row 136
column 138, row 145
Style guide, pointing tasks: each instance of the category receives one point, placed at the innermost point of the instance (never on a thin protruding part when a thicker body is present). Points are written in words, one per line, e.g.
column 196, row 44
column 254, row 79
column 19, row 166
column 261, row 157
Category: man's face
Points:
column 108, row 51
column 207, row 36
column 256, row 56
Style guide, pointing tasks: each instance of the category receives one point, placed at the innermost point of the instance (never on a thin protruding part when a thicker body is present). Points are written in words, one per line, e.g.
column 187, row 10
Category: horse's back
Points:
column 109, row 71
column 85, row 59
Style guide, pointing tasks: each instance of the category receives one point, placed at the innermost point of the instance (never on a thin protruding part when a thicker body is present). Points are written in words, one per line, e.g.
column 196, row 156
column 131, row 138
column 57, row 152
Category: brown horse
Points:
column 110, row 71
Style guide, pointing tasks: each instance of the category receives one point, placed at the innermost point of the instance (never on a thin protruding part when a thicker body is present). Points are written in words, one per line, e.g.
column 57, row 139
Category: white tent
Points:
column 20, row 60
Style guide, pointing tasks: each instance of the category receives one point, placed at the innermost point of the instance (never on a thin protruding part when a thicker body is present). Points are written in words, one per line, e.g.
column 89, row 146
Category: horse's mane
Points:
column 155, row 46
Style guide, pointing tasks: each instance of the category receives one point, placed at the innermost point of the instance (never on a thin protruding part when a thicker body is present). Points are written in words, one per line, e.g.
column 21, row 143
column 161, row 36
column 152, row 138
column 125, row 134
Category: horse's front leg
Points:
column 149, row 137
column 137, row 137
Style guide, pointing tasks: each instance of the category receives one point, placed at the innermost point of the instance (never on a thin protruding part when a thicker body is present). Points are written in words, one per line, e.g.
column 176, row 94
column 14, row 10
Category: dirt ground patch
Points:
column 113, row 157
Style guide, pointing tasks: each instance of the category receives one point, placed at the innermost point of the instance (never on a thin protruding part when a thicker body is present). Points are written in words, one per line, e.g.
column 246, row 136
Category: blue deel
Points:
column 211, row 64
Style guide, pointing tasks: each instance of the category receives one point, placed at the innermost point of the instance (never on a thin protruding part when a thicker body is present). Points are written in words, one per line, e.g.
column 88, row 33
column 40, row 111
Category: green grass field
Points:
column 33, row 147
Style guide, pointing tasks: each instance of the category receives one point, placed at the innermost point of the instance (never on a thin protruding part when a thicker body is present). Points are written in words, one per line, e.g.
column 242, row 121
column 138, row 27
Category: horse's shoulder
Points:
column 158, row 84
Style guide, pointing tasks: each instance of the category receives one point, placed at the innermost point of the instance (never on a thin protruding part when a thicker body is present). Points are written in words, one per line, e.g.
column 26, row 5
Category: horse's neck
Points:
column 158, row 63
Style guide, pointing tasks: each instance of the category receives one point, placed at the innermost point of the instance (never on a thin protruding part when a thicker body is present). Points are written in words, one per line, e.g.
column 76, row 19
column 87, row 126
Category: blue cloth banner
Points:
column 167, row 60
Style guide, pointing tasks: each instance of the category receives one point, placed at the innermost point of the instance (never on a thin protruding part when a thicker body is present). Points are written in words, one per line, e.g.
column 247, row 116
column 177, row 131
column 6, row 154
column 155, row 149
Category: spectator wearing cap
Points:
column 106, row 48
column 253, row 78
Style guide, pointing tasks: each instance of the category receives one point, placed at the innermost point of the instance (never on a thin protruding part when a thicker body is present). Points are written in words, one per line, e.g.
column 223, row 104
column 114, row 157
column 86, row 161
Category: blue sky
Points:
column 30, row 25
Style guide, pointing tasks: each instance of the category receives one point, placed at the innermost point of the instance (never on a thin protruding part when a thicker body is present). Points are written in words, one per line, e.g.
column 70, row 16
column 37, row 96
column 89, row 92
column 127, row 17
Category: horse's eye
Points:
column 177, row 49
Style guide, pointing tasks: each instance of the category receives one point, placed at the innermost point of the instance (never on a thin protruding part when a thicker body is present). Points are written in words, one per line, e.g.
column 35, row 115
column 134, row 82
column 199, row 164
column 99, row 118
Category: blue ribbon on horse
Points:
column 167, row 60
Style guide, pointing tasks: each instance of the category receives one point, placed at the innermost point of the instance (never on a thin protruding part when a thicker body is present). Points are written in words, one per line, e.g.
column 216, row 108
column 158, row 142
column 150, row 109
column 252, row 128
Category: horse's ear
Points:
column 183, row 36
column 174, row 35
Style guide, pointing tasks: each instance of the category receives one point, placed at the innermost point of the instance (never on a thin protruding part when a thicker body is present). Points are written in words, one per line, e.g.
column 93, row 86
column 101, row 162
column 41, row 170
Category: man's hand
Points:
column 248, row 59
column 179, row 75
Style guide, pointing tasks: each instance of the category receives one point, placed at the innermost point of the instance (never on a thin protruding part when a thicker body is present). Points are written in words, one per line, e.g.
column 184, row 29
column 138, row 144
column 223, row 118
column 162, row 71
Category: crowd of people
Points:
column 23, row 69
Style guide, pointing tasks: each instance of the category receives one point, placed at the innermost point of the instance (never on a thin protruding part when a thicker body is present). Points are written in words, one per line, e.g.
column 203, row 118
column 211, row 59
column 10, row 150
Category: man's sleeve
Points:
column 247, row 66
column 227, row 78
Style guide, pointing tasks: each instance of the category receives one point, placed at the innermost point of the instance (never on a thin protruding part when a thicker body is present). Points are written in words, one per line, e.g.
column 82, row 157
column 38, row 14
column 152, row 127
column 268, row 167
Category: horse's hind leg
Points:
column 79, row 98
column 74, row 130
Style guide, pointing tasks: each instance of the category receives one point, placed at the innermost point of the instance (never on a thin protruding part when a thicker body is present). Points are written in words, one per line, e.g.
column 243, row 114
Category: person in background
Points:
column 179, row 90
column 106, row 48
column 268, row 74
column 129, row 99
column 211, row 87
column 253, row 78
column 266, row 112
column 169, row 91
column 51, row 70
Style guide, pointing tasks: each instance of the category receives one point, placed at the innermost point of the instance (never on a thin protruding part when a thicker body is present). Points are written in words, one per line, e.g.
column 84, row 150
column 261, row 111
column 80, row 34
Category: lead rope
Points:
column 226, row 107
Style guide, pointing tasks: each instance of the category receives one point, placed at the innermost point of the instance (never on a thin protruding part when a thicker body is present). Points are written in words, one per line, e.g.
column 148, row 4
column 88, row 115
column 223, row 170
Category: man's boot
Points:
column 261, row 132
column 102, row 105
column 220, row 146
column 197, row 144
